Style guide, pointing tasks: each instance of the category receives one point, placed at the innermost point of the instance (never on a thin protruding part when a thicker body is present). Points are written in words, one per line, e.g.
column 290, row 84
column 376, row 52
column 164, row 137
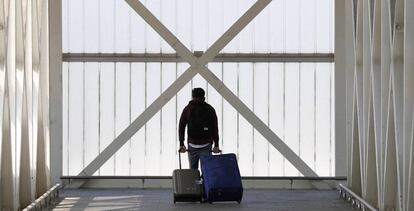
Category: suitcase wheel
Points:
column 174, row 200
column 238, row 202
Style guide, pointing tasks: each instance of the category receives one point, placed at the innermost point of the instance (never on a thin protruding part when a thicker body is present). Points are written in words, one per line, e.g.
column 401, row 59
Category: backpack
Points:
column 199, row 124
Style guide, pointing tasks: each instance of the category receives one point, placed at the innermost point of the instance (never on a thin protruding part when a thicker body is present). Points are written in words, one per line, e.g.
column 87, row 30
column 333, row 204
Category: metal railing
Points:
column 45, row 201
column 356, row 201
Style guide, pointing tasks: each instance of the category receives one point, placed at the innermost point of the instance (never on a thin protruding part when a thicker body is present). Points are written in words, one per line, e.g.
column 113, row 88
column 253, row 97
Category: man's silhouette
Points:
column 202, row 130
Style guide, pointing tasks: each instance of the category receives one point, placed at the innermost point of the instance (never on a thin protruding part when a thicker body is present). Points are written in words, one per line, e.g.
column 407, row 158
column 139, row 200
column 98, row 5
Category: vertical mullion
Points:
column 115, row 114
column 238, row 115
column 253, row 109
column 299, row 108
column 99, row 83
column 314, row 115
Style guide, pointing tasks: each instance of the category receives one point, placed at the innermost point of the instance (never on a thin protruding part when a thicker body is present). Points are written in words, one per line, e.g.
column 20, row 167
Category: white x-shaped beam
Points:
column 198, row 65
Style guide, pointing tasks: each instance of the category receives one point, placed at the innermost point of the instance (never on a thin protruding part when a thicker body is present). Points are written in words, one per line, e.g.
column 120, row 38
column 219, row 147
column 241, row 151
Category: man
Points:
column 202, row 131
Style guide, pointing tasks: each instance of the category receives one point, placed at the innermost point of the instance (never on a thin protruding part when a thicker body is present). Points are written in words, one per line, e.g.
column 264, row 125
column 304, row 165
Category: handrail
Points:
column 356, row 201
column 44, row 201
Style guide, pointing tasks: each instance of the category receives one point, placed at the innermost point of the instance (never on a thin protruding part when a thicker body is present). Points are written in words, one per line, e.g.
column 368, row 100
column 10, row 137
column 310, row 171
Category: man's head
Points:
column 198, row 94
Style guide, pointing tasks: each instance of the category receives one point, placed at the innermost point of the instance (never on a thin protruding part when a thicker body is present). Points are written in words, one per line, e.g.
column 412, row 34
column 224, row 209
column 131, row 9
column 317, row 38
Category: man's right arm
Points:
column 181, row 126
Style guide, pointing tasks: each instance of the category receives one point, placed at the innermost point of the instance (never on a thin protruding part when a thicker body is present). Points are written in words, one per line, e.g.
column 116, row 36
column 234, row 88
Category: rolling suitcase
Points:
column 221, row 178
column 186, row 184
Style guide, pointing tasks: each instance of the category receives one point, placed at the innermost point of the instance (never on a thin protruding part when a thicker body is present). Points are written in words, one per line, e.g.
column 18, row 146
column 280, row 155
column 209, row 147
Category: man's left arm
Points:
column 215, row 129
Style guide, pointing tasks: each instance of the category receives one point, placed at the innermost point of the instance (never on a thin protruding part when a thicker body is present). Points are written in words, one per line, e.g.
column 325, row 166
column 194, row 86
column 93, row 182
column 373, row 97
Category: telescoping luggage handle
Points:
column 179, row 155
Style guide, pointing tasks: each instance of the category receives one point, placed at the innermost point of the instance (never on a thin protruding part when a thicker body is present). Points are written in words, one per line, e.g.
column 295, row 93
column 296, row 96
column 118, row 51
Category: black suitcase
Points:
column 186, row 184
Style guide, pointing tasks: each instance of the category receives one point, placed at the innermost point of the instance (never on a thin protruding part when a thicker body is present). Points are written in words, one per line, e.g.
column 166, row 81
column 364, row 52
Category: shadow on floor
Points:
column 151, row 200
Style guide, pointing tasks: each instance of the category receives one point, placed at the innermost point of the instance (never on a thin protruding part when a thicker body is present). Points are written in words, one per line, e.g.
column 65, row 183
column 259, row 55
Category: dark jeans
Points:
column 194, row 155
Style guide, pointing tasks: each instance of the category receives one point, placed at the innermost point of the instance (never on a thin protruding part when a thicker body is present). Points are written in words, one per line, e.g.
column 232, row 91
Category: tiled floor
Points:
column 255, row 200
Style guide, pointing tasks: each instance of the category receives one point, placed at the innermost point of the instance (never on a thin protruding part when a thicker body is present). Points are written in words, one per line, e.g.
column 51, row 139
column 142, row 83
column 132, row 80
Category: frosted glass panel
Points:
column 323, row 118
column 102, row 99
column 122, row 33
column 284, row 26
column 107, row 26
column 107, row 114
column 153, row 40
column 260, row 107
column 292, row 113
column 91, row 26
column 168, row 123
column 324, row 25
column 245, row 129
column 138, row 105
column 307, row 113
column 292, row 25
column 308, row 26
column 229, row 129
column 122, row 115
column 75, row 26
column 276, row 116
column 153, row 129
column 76, row 118
column 91, row 113
column 65, row 117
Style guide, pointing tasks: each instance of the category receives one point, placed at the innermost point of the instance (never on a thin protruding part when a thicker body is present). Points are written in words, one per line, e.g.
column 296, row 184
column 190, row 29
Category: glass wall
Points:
column 294, row 99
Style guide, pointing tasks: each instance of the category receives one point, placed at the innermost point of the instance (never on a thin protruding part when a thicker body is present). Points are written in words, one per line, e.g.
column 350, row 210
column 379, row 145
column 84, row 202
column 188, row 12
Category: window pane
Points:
column 284, row 26
column 294, row 99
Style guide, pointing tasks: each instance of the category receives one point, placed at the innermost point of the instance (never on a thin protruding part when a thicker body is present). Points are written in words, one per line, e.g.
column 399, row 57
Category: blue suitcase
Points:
column 221, row 178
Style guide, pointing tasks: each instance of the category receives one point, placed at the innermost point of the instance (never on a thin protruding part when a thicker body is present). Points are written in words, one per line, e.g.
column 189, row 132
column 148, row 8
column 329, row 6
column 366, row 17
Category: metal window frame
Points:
column 223, row 57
